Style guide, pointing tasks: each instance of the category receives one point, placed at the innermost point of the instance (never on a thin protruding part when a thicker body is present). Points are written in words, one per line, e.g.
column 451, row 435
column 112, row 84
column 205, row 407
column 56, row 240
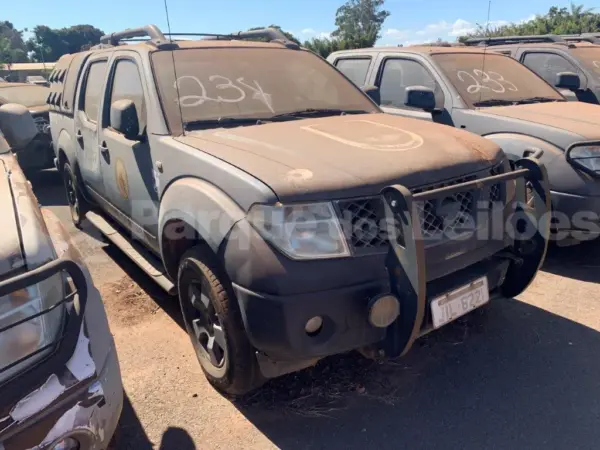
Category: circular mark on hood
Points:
column 370, row 135
column 299, row 175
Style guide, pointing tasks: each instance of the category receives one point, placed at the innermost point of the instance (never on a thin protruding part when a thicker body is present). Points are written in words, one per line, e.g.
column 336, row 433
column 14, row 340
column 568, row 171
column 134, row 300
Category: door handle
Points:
column 103, row 149
column 79, row 136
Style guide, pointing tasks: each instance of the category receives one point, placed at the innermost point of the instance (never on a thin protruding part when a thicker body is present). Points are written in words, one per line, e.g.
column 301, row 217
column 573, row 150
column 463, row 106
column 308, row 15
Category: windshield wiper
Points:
column 494, row 102
column 319, row 111
column 223, row 121
column 536, row 100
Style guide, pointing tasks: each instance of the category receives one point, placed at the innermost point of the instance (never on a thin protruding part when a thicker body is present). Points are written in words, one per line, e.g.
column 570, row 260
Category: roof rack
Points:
column 594, row 38
column 502, row 40
column 151, row 31
column 164, row 40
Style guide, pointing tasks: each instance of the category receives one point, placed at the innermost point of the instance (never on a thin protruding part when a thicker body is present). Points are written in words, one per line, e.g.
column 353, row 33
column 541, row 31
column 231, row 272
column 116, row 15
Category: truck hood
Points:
column 576, row 117
column 11, row 256
column 347, row 156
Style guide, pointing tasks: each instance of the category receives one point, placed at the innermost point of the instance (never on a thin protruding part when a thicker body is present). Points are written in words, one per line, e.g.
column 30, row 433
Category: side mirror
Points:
column 124, row 119
column 17, row 125
column 567, row 80
column 373, row 92
column 419, row 97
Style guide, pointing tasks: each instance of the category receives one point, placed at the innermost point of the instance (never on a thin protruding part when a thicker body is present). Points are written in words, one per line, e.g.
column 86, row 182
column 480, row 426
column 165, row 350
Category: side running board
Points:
column 147, row 263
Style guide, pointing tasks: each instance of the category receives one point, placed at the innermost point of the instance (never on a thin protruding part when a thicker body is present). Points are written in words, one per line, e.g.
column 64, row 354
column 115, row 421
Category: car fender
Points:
column 65, row 144
column 207, row 209
column 562, row 176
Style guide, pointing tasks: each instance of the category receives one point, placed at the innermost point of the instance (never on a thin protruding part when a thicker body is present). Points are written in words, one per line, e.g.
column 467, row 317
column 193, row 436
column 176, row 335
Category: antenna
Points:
column 174, row 68
column 487, row 32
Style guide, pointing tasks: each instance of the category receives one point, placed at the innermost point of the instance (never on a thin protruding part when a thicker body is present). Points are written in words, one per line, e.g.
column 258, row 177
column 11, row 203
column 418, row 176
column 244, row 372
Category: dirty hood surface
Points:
column 11, row 257
column 576, row 117
column 347, row 156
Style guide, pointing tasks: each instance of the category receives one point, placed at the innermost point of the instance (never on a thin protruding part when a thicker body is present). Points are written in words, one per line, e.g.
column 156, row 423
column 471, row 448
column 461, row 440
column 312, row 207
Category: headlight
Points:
column 308, row 231
column 586, row 158
column 22, row 340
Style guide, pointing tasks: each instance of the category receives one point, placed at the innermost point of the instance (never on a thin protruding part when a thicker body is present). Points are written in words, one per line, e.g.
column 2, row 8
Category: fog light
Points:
column 313, row 325
column 384, row 310
column 66, row 444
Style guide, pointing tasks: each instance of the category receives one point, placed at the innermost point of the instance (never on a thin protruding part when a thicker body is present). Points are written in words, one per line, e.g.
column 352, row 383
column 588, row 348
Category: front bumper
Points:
column 276, row 323
column 76, row 390
column 575, row 212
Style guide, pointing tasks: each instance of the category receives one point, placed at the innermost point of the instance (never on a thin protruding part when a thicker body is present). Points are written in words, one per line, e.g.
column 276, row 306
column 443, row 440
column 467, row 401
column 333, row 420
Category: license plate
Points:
column 451, row 306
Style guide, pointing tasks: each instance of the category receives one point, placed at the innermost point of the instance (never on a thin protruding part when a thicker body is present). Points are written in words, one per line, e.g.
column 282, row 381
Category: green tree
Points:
column 49, row 44
column 359, row 22
column 573, row 20
column 13, row 49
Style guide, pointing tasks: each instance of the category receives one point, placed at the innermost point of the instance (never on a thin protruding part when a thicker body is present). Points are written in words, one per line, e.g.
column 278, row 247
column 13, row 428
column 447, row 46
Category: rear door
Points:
column 126, row 165
column 356, row 68
column 86, row 118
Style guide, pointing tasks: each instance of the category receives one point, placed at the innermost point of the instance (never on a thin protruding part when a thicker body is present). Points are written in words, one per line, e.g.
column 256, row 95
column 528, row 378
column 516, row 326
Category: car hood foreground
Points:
column 347, row 156
column 576, row 117
column 11, row 256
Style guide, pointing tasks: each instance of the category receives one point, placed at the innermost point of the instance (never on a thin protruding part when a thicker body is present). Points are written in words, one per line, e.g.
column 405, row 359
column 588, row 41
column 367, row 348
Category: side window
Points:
column 127, row 84
column 547, row 65
column 93, row 90
column 354, row 68
column 397, row 75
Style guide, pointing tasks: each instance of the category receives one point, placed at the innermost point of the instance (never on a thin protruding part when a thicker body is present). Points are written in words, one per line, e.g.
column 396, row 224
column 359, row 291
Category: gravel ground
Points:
column 516, row 374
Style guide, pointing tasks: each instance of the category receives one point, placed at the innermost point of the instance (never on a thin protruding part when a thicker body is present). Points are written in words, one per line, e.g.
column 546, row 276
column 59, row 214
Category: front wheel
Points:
column 214, row 324
column 77, row 204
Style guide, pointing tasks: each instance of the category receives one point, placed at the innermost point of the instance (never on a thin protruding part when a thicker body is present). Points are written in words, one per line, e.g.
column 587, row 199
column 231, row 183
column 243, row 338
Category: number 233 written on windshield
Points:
column 485, row 80
column 236, row 92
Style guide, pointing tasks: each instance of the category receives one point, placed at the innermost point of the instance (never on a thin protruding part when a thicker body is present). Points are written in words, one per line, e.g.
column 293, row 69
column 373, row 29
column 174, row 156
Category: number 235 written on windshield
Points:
column 486, row 80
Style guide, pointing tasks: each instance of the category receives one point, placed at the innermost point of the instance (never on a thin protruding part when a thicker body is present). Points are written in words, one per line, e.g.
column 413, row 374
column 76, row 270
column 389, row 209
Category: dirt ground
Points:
column 522, row 373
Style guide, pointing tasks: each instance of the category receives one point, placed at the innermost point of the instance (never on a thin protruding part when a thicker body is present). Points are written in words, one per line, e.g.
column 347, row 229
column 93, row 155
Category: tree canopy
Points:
column 573, row 20
column 49, row 44
column 358, row 25
column 12, row 47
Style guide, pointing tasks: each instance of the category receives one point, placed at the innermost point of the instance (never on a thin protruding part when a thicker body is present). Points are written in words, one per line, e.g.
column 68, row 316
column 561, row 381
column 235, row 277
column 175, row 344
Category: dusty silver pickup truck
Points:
column 60, row 383
column 247, row 178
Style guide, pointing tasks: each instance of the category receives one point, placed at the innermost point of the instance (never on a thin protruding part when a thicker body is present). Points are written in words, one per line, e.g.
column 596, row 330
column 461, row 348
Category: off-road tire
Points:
column 78, row 205
column 241, row 375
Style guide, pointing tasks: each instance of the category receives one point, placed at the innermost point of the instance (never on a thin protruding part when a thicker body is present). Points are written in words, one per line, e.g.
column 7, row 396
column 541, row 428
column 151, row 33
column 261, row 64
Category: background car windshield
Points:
column 499, row 78
column 589, row 57
column 250, row 82
column 28, row 96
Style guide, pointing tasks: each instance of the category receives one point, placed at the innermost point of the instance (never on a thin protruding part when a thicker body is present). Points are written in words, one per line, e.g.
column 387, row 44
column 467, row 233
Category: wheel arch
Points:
column 194, row 211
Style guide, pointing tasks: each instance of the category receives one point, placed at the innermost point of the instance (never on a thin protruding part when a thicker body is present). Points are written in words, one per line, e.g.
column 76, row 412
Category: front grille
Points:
column 496, row 189
column 445, row 215
column 363, row 219
column 362, row 222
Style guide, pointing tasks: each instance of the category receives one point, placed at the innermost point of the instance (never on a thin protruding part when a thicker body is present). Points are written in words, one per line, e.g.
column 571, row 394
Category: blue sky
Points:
column 411, row 20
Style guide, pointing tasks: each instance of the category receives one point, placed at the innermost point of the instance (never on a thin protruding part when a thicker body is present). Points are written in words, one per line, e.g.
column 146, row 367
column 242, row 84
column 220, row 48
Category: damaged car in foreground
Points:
column 60, row 383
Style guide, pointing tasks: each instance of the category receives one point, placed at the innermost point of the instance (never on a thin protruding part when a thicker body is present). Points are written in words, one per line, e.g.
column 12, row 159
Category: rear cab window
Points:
column 93, row 90
column 354, row 68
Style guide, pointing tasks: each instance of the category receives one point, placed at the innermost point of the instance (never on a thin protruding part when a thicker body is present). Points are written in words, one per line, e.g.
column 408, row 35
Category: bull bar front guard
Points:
column 62, row 347
column 406, row 261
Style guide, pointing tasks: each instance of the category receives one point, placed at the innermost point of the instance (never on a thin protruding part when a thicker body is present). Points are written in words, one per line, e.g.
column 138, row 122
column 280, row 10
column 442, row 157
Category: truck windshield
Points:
column 589, row 57
column 28, row 96
column 227, row 84
column 500, row 80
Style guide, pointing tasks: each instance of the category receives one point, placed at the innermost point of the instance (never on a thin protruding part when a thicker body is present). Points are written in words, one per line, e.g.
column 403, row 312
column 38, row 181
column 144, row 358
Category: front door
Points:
column 86, row 124
column 395, row 76
column 127, row 167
